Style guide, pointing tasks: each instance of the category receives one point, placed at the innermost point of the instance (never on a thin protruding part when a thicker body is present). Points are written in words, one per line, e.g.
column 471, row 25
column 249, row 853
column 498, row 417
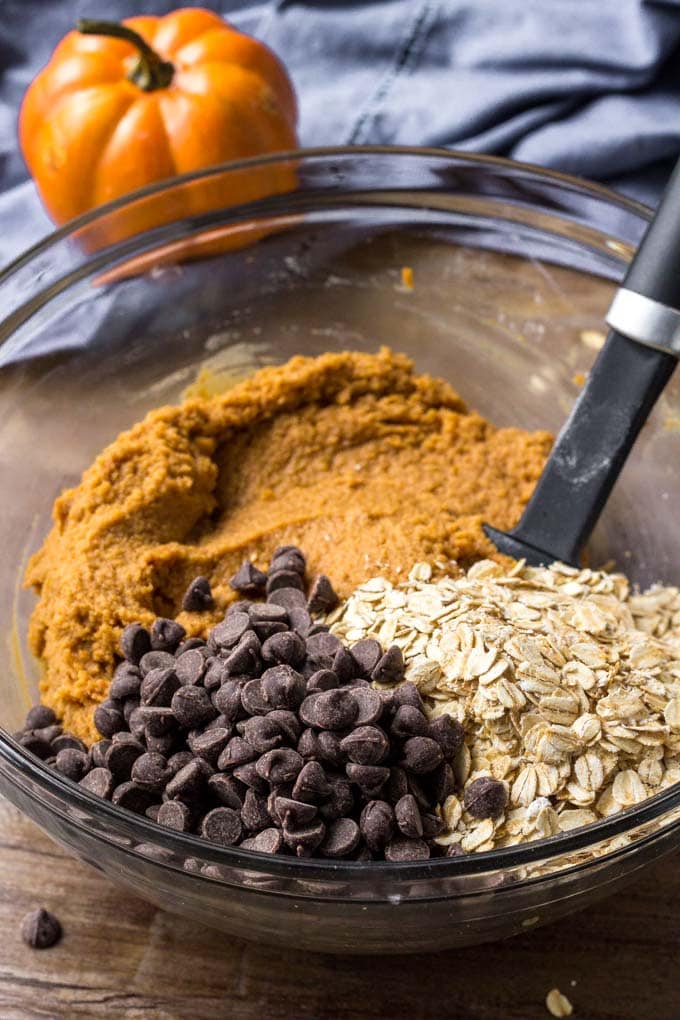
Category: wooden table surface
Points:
column 120, row 957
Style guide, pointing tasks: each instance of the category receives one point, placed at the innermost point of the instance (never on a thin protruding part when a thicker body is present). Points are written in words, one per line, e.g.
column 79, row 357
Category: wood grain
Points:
column 122, row 957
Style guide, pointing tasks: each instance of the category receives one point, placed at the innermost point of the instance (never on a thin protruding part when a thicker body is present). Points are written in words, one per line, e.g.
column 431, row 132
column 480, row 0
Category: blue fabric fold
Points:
column 589, row 88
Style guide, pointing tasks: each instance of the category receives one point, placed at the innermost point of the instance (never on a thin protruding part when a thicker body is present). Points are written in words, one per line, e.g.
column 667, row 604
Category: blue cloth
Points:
column 587, row 86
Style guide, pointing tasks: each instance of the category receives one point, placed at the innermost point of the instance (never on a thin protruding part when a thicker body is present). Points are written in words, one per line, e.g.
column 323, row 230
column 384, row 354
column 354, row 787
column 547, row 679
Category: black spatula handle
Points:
column 655, row 270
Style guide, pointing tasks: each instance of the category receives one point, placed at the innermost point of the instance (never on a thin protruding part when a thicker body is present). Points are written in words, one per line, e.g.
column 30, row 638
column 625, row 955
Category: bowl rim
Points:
column 146, row 831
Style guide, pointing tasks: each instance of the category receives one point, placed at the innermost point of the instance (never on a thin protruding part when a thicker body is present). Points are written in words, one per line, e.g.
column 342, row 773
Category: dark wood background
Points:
column 120, row 957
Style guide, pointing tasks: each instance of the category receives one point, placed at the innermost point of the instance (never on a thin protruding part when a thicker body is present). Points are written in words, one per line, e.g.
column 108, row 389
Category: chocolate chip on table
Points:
column 190, row 667
column 158, row 687
column 403, row 849
column 366, row 654
column 40, row 929
column 151, row 771
column 377, row 823
column 222, row 825
column 72, row 763
column 135, row 641
column 198, row 597
column 39, row 717
column 322, row 596
column 286, row 648
column 390, row 667
column 248, row 580
column 192, row 707
column 166, row 635
column 229, row 632
column 342, row 837
column 108, row 719
column 156, row 660
column 407, row 815
column 175, row 815
column 421, row 755
column 269, row 841
column 126, row 682
column 98, row 781
column 133, row 797
column 485, row 797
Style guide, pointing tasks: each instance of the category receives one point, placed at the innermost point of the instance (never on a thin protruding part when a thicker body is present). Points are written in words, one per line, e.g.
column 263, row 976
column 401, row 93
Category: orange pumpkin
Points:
column 123, row 105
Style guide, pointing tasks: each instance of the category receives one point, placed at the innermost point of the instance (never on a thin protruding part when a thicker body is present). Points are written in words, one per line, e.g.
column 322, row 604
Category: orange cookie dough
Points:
column 365, row 465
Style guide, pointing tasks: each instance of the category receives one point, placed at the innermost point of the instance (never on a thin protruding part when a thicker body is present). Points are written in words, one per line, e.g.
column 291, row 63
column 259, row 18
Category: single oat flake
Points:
column 558, row 1004
column 567, row 685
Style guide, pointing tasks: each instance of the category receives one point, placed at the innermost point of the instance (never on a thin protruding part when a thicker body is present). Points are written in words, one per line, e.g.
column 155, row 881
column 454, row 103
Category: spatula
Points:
column 631, row 370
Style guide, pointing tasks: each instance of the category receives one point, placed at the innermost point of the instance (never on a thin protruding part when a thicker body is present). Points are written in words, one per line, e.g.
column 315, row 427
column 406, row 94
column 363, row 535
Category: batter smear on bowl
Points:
column 356, row 458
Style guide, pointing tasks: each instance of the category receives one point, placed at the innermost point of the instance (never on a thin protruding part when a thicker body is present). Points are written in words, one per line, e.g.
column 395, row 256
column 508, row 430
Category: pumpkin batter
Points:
column 365, row 465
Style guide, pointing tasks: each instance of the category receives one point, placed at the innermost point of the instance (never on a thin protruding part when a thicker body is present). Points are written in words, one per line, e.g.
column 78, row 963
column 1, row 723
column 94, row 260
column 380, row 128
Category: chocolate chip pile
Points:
column 268, row 735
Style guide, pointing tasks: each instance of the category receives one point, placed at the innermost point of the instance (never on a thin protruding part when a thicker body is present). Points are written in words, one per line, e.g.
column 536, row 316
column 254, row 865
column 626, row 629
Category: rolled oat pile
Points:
column 568, row 687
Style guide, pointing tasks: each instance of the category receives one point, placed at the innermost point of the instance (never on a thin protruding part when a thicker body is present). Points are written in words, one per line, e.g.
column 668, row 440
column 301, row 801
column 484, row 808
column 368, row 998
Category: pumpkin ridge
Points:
column 143, row 97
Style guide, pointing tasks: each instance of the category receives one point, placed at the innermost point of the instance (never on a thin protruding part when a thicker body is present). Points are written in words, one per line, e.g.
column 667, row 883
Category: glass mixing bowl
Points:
column 513, row 270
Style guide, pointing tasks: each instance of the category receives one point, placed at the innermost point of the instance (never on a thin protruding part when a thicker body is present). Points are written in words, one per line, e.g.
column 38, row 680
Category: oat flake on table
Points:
column 567, row 684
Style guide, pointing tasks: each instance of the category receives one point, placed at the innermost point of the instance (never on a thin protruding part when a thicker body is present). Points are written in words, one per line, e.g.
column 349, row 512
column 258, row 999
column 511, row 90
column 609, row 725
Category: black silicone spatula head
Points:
column 631, row 370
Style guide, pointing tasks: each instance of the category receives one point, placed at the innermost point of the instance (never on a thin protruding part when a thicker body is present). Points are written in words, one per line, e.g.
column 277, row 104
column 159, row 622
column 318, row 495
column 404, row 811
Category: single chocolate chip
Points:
column 156, row 660
column 164, row 745
column 237, row 752
column 98, row 781
column 108, row 719
column 369, row 704
column 322, row 597
column 192, row 707
column 227, row 700
column 432, row 825
column 289, row 599
column 328, row 749
column 190, row 782
column 267, row 612
column 322, row 680
column 40, row 929
column 288, row 724
column 269, row 841
column 215, row 674
column 377, row 824
column 287, row 648
column 448, row 733
column 244, row 660
column 311, row 784
column 135, row 641
column 280, row 766
column 289, row 550
column 262, row 734
column 248, row 776
column 175, row 815
column 66, row 740
column 36, row 744
column 344, row 665
column 284, row 579
column 369, row 778
column 151, row 771
column 209, row 744
column 133, row 797
column 403, row 849
column 158, row 687
column 126, row 682
column 198, row 596
column 190, row 643
column 248, row 580
column 409, row 722
column 190, row 667
column 342, row 837
column 254, row 814
column 153, row 811
column 49, row 733
column 129, row 705
column 288, row 557
column 485, row 797
column 322, row 648
column 229, row 632
column 390, row 667
column 178, row 760
column 300, row 620
column 166, row 635
column 158, row 721
column 222, row 825
column 98, row 754
column 366, row 654
column 122, row 755
column 440, row 783
column 72, row 763
column 283, row 687
column 293, row 814
column 38, row 717
column 334, row 710
column 421, row 755
column 304, row 839
column 408, row 818
column 253, row 699
column 226, row 790
column 366, row 745
column 308, row 744
column 340, row 801
column 408, row 694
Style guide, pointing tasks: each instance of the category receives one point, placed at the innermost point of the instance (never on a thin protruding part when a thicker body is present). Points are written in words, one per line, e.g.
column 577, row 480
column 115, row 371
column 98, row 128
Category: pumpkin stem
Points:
column 149, row 72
